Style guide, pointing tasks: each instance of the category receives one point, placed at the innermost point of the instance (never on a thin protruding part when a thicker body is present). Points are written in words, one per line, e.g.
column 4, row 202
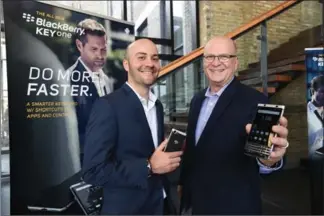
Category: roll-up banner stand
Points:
column 314, row 61
column 59, row 61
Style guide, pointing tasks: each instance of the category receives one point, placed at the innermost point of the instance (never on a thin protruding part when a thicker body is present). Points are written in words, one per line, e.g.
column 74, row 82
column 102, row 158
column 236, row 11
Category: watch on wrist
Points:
column 149, row 169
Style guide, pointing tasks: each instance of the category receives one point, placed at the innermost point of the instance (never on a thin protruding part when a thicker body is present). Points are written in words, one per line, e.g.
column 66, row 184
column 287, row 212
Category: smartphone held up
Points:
column 258, row 143
column 176, row 141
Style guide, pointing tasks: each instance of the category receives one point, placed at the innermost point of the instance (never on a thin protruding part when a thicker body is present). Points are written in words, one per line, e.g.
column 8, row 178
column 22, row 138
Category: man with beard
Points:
column 315, row 115
column 88, row 71
column 124, row 141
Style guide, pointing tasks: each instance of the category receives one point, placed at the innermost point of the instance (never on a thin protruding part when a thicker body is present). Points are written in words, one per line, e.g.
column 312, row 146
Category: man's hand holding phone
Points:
column 164, row 162
column 280, row 142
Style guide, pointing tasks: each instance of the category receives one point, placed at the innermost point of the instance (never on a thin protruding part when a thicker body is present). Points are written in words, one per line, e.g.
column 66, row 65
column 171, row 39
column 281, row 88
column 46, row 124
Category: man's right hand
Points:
column 164, row 162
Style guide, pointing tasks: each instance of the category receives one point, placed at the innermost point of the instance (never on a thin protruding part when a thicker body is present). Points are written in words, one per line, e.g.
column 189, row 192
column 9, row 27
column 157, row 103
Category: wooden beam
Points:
column 256, row 65
column 251, row 24
column 272, row 78
column 271, row 90
column 282, row 69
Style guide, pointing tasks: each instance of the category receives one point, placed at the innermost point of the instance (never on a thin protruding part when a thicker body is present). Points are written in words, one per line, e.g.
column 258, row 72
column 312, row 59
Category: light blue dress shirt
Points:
column 205, row 112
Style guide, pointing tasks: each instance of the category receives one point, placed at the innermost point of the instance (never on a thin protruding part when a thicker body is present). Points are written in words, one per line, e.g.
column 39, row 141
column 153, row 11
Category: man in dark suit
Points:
column 87, row 72
column 217, row 177
column 122, row 152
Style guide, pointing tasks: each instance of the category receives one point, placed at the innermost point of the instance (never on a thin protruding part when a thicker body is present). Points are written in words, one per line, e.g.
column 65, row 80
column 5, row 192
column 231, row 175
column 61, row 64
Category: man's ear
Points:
column 79, row 44
column 126, row 65
column 237, row 63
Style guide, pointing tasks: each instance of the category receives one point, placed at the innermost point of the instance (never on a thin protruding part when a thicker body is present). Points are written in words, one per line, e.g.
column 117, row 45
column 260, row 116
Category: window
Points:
column 142, row 30
column 4, row 118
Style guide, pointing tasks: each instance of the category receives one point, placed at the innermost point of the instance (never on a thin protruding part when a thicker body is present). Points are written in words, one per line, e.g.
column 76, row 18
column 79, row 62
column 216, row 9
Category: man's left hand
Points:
column 280, row 142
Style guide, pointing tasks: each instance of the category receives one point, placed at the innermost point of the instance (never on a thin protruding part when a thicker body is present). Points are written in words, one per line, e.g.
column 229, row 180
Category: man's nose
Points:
column 149, row 63
column 100, row 54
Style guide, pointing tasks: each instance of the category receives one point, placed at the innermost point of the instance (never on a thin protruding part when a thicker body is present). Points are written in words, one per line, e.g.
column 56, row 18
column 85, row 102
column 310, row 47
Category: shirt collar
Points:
column 152, row 97
column 86, row 67
column 312, row 107
column 219, row 93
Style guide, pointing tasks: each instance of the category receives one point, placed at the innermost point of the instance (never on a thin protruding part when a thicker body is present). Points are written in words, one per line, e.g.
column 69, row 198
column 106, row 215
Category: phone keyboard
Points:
column 94, row 200
column 257, row 150
column 89, row 197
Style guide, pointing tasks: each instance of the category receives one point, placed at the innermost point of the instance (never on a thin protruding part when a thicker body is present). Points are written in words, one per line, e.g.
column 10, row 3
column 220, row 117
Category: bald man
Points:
column 125, row 140
column 217, row 177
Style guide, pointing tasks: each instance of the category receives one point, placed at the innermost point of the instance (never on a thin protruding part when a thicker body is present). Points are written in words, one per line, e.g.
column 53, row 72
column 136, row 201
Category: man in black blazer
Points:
column 217, row 177
column 122, row 152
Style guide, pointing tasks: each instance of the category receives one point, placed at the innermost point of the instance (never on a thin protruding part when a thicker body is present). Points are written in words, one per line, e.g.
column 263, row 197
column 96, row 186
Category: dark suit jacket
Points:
column 217, row 177
column 85, row 103
column 117, row 145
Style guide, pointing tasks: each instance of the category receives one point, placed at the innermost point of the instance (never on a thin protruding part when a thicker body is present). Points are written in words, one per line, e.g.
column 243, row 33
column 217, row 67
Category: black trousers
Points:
column 168, row 208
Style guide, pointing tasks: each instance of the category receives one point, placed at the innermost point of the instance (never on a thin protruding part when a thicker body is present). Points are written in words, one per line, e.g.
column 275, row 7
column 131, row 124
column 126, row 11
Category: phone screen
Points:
column 261, row 129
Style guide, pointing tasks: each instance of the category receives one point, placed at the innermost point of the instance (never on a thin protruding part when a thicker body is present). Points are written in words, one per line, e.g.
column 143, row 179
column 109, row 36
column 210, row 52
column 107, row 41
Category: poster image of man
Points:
column 49, row 106
column 88, row 72
column 315, row 117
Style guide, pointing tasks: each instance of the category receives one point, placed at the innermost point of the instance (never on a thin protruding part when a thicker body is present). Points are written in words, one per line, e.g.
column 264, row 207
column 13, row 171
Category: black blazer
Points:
column 117, row 145
column 217, row 177
column 84, row 102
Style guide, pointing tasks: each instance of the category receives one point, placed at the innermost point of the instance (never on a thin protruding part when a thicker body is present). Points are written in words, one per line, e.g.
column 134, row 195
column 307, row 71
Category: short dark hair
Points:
column 91, row 27
column 317, row 82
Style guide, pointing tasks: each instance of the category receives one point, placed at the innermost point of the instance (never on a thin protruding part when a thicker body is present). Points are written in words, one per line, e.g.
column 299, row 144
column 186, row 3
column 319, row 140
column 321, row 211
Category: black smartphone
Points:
column 88, row 197
column 258, row 143
column 176, row 141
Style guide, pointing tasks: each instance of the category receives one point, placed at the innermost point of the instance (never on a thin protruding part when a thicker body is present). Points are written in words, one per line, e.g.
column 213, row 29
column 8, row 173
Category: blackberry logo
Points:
column 28, row 17
column 50, row 28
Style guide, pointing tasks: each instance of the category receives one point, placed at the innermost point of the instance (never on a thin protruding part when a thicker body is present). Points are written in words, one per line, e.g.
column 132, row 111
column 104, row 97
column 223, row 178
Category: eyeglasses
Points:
column 221, row 58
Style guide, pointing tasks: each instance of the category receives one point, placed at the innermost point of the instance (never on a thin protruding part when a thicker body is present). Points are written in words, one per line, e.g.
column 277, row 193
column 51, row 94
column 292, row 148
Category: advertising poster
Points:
column 59, row 61
column 314, row 61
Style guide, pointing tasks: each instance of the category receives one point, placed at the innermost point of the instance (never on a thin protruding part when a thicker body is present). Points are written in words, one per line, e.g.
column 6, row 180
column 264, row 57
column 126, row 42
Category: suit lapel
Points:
column 160, row 124
column 92, row 88
column 194, row 113
column 139, row 113
column 92, row 93
column 221, row 105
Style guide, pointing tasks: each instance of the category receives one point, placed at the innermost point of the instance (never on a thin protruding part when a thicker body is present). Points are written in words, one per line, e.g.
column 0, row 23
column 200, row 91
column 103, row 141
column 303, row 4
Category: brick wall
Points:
column 221, row 17
column 294, row 97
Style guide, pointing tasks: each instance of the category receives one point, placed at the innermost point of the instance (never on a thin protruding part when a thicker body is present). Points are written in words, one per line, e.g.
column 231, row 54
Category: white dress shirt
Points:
column 151, row 117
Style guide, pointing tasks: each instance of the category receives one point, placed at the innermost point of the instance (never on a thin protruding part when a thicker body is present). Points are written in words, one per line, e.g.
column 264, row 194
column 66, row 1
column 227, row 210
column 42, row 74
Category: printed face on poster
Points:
column 59, row 61
column 314, row 61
